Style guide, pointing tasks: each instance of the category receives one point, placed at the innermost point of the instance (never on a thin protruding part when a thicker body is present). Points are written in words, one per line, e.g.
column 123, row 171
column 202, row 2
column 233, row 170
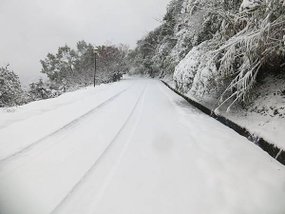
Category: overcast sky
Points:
column 32, row 28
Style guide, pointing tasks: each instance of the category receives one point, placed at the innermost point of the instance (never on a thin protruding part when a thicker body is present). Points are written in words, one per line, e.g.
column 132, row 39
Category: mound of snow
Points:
column 196, row 72
column 186, row 70
column 248, row 5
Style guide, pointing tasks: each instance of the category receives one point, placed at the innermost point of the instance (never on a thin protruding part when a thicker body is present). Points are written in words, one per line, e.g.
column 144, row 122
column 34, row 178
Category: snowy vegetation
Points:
column 216, row 48
column 10, row 88
column 211, row 48
column 67, row 69
column 71, row 68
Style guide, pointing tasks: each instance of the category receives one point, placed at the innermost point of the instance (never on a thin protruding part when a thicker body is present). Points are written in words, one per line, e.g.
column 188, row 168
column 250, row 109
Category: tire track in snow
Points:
column 125, row 146
column 98, row 160
column 64, row 128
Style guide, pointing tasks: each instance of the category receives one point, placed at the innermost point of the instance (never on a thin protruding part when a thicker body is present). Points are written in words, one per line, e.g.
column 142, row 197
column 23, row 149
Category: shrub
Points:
column 10, row 88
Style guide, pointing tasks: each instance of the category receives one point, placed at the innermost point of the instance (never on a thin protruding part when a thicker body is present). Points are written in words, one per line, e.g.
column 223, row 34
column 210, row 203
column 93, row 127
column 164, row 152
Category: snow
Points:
column 194, row 73
column 44, row 118
column 140, row 148
column 197, row 77
column 186, row 70
column 248, row 5
column 265, row 116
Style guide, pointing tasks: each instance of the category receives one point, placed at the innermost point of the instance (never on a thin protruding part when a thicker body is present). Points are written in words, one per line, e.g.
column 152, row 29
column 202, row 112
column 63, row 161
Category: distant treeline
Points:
column 67, row 69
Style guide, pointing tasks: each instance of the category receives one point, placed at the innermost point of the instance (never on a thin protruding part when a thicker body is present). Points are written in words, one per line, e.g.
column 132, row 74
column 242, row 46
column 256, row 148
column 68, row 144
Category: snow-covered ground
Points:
column 264, row 115
column 130, row 147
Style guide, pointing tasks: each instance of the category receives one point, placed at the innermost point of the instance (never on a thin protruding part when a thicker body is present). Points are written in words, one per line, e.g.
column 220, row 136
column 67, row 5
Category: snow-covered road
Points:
column 132, row 147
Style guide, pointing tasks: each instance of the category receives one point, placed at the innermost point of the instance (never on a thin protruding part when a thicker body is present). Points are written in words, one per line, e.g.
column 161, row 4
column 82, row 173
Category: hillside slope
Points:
column 228, row 55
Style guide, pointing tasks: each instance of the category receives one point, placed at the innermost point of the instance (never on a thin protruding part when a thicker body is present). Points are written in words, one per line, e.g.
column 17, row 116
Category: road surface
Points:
column 132, row 147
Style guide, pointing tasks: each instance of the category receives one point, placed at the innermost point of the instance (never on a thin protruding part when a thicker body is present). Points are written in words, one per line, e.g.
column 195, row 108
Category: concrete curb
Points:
column 274, row 151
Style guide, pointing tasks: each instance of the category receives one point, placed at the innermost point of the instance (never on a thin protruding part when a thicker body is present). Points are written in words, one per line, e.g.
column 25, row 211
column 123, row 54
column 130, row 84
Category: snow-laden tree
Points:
column 111, row 61
column 186, row 24
column 75, row 67
column 85, row 64
column 60, row 67
column 10, row 88
column 257, row 46
column 152, row 55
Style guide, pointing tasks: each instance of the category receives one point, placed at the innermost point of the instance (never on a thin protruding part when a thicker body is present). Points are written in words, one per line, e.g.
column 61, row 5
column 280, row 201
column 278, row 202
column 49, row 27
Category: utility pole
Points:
column 95, row 67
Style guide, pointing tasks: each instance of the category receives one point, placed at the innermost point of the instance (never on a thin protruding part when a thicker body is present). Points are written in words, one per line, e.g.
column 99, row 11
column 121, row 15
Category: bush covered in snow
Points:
column 43, row 90
column 10, row 88
column 186, row 72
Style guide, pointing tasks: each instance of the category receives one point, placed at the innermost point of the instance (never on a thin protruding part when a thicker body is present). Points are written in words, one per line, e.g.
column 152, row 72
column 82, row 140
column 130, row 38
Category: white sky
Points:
column 32, row 28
